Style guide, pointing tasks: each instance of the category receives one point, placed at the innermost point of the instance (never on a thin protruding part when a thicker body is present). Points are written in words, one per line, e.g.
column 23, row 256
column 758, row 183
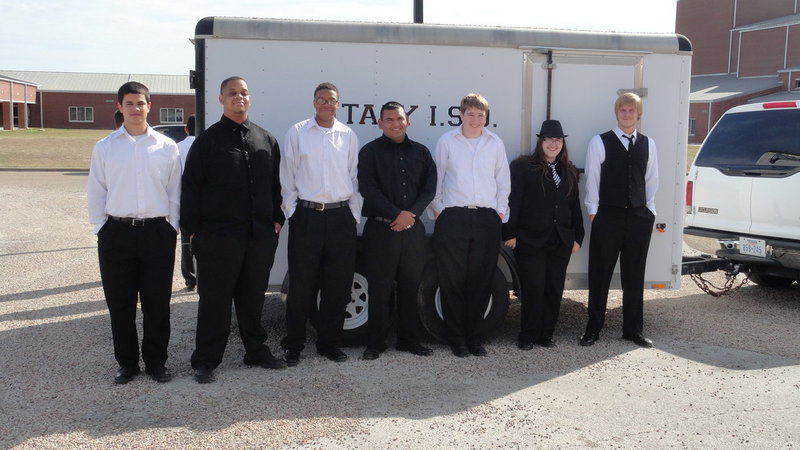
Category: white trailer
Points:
column 527, row 75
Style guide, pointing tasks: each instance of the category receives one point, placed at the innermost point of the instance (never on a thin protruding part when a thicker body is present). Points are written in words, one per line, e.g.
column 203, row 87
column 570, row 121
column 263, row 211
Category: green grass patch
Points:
column 48, row 148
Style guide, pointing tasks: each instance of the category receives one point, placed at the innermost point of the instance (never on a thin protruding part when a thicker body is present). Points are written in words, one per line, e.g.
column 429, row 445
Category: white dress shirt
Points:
column 320, row 165
column 596, row 154
column 134, row 177
column 471, row 173
column 183, row 149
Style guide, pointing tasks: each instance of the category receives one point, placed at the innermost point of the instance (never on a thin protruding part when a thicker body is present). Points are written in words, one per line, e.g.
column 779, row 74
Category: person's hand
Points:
column 403, row 221
column 575, row 247
column 191, row 236
column 277, row 228
column 501, row 215
column 511, row 243
column 591, row 217
column 436, row 215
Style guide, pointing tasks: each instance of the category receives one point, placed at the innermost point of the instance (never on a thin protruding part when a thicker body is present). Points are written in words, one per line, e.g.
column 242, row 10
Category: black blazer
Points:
column 537, row 207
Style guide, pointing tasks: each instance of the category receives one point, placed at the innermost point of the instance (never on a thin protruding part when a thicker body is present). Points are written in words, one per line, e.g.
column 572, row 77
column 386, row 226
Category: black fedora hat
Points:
column 551, row 128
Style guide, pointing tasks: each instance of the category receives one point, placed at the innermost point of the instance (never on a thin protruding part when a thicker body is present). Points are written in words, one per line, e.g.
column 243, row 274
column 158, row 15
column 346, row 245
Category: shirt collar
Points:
column 386, row 141
column 231, row 124
column 620, row 133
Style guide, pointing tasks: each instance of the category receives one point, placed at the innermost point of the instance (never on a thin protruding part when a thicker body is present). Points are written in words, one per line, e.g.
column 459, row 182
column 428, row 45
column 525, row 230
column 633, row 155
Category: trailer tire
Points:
column 430, row 307
column 771, row 281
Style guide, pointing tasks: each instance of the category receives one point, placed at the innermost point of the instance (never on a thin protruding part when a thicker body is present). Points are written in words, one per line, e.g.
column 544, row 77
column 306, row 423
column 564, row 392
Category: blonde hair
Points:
column 474, row 100
column 629, row 98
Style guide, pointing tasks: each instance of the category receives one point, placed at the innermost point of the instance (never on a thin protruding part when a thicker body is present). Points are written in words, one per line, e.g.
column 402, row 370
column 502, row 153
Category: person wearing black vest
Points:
column 230, row 208
column 545, row 226
column 621, row 184
column 397, row 178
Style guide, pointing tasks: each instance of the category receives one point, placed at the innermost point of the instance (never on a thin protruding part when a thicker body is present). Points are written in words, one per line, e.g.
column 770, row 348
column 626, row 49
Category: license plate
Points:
column 752, row 247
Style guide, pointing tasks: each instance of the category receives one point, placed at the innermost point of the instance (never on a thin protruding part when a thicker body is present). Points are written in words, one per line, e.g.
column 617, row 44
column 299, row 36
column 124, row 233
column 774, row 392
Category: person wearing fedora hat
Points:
column 545, row 227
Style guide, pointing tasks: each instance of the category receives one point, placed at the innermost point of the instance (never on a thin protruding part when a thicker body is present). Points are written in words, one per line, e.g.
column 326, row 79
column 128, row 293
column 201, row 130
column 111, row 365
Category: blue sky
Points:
column 152, row 36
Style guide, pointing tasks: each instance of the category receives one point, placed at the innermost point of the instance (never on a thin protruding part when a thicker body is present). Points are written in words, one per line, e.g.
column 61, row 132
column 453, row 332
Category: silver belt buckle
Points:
column 137, row 222
column 321, row 207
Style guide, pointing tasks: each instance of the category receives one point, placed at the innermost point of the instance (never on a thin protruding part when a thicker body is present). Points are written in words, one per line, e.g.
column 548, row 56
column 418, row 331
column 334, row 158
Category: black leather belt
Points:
column 382, row 219
column 136, row 222
column 321, row 206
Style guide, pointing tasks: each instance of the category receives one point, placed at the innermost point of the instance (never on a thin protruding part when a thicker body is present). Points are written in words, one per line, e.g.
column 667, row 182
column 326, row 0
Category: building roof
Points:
column 781, row 96
column 101, row 82
column 715, row 88
column 17, row 80
column 784, row 21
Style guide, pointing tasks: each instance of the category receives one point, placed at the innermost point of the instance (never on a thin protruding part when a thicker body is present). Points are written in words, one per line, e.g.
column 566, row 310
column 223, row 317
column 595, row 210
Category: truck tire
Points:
column 430, row 307
column 772, row 281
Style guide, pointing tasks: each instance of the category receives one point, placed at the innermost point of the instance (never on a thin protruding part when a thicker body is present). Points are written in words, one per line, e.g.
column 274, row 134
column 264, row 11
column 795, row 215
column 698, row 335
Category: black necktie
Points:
column 556, row 178
column 630, row 140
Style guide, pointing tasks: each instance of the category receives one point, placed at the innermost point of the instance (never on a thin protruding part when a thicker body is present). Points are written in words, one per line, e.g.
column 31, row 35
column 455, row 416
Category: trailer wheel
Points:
column 429, row 304
column 357, row 312
column 772, row 281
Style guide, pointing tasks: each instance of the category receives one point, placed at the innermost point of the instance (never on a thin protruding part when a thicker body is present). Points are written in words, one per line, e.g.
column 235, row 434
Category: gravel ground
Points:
column 724, row 371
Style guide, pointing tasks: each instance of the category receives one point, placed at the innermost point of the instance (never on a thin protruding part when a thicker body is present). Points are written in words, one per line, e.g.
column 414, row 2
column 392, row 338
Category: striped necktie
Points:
column 556, row 178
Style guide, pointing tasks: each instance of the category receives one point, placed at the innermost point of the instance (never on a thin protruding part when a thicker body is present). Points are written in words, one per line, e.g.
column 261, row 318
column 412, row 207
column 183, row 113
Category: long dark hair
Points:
column 538, row 159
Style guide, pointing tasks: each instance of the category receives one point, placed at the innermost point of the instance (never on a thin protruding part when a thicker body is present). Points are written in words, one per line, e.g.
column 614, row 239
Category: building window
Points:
column 171, row 115
column 81, row 114
column 797, row 83
column 692, row 127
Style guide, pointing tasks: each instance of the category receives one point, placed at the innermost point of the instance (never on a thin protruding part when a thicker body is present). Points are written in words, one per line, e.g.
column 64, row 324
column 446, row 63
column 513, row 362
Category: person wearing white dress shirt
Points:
column 471, row 202
column 187, row 264
column 621, row 184
column 133, row 195
column 321, row 201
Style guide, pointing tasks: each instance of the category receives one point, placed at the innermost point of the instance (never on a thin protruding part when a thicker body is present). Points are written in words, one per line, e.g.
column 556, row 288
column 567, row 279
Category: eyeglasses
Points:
column 321, row 101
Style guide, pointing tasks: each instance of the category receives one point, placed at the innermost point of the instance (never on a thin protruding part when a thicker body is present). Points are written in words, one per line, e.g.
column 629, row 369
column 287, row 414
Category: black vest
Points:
column 622, row 171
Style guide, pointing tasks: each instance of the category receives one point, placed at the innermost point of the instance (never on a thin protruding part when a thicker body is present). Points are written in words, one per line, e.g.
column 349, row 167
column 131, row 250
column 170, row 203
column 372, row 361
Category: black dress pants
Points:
column 136, row 264
column 322, row 257
column 187, row 264
column 237, row 269
column 622, row 233
column 391, row 256
column 541, row 271
column 466, row 244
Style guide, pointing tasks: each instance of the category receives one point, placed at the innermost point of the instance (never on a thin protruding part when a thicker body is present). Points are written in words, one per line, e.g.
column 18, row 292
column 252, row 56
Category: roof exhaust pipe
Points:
column 418, row 11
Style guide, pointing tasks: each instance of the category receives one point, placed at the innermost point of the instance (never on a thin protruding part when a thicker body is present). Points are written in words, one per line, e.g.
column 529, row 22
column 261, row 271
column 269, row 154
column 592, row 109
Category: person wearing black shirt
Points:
column 397, row 178
column 230, row 207
column 544, row 228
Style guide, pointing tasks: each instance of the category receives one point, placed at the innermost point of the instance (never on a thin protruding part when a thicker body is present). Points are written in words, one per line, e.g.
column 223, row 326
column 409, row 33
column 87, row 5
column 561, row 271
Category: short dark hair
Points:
column 228, row 80
column 391, row 105
column 118, row 118
column 190, row 125
column 326, row 86
column 132, row 87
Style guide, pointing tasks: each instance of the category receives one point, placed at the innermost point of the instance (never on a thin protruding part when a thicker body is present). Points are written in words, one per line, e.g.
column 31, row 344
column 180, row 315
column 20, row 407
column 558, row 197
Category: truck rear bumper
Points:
column 780, row 252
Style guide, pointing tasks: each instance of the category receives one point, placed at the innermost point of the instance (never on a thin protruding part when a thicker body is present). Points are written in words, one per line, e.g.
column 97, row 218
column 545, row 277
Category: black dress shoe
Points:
column 292, row 357
column 333, row 353
column 477, row 349
column 524, row 345
column 190, row 286
column 462, row 351
column 159, row 374
column 415, row 349
column 204, row 375
column 545, row 342
column 126, row 374
column 589, row 339
column 371, row 354
column 269, row 362
column 638, row 339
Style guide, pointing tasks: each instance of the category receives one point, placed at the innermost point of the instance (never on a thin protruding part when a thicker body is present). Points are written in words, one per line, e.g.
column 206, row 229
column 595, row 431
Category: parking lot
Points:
column 724, row 371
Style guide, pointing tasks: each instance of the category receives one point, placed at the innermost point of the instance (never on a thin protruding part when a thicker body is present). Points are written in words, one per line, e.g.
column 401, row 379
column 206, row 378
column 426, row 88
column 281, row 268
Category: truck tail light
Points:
column 689, row 188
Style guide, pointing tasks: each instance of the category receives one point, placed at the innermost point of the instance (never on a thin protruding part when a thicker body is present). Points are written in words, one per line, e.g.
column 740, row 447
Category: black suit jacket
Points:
column 538, row 208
